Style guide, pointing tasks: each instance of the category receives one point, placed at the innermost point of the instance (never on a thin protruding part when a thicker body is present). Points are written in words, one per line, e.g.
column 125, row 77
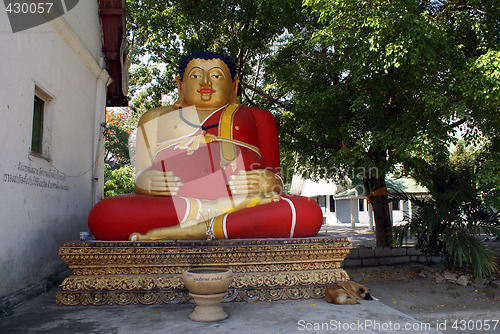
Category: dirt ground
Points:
column 402, row 288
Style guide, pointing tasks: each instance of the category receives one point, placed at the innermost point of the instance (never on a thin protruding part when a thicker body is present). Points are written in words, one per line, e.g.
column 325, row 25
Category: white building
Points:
column 350, row 207
column 52, row 102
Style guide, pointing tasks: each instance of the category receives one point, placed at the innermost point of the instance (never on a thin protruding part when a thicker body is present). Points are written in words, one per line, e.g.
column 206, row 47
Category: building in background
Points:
column 349, row 207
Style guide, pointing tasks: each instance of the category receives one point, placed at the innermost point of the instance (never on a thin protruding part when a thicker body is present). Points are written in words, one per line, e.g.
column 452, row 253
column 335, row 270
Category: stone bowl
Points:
column 207, row 281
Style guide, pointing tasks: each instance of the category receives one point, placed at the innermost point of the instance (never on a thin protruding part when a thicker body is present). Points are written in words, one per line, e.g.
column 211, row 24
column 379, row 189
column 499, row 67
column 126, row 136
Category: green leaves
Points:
column 487, row 172
column 376, row 83
column 118, row 181
column 163, row 31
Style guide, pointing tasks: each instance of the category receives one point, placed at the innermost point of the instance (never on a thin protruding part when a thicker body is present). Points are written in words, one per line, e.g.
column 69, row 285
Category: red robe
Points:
column 199, row 168
column 255, row 138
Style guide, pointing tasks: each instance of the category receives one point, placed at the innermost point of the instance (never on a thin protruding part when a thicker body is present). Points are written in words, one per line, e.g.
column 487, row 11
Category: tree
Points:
column 118, row 172
column 161, row 32
column 118, row 181
column 382, row 81
column 117, row 134
column 487, row 173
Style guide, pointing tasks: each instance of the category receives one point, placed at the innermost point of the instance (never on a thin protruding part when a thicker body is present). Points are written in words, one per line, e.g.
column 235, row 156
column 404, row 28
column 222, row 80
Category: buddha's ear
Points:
column 179, row 90
column 236, row 83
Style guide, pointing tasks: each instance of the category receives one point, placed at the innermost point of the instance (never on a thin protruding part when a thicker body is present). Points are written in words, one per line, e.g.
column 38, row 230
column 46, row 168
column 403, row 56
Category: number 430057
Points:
column 31, row 8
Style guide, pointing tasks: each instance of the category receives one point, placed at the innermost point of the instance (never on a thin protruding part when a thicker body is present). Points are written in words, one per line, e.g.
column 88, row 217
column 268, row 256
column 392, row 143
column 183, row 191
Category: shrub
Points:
column 118, row 181
column 449, row 222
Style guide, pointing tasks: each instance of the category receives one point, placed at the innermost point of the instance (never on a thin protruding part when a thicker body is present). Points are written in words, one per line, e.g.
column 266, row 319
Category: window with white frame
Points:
column 41, row 106
column 37, row 129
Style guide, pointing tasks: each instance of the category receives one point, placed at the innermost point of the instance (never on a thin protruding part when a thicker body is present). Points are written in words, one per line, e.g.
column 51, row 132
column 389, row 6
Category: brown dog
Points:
column 347, row 292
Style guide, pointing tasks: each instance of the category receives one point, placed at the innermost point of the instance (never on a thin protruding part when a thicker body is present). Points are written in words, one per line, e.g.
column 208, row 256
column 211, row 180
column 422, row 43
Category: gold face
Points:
column 207, row 84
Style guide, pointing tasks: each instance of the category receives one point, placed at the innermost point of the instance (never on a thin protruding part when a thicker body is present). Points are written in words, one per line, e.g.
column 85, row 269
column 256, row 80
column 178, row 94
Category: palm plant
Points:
column 449, row 221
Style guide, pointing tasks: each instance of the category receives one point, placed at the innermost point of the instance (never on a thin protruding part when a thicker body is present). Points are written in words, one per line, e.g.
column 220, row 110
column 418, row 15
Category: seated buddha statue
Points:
column 206, row 168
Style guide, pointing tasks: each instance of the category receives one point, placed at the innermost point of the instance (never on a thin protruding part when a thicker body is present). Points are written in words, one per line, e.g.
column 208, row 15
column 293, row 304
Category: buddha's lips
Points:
column 206, row 91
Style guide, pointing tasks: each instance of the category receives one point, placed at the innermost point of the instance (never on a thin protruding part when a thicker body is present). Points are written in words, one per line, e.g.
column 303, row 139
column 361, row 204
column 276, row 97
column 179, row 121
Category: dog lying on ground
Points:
column 347, row 292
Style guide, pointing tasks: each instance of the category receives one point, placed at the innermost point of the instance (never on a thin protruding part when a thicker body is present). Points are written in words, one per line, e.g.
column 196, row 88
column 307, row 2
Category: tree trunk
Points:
column 374, row 187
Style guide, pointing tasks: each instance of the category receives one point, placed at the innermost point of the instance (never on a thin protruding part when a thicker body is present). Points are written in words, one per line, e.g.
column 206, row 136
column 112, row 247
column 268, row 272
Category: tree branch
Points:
column 272, row 100
column 250, row 99
column 334, row 76
column 160, row 55
column 268, row 97
column 455, row 124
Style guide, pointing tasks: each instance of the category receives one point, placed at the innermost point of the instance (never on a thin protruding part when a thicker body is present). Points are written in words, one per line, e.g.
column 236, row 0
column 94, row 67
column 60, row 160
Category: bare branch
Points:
column 455, row 124
column 268, row 97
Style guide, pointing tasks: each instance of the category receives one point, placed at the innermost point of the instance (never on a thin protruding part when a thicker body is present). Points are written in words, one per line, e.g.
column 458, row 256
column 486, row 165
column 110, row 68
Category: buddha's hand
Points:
column 262, row 182
column 156, row 182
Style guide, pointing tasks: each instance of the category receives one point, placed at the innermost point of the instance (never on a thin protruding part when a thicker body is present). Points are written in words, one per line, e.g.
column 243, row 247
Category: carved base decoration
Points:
column 123, row 273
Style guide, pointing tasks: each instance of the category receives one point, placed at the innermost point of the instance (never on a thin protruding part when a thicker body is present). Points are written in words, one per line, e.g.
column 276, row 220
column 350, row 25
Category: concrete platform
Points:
column 41, row 315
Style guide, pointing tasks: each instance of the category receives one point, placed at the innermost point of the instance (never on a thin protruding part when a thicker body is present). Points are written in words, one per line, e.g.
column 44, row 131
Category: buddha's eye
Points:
column 195, row 76
column 217, row 76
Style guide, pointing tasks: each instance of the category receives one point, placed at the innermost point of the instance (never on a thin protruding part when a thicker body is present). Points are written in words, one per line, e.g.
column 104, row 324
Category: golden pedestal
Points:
column 150, row 272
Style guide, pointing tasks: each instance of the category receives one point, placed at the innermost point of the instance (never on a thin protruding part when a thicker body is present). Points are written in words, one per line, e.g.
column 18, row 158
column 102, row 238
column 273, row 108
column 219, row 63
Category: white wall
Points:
column 398, row 215
column 343, row 211
column 36, row 220
column 342, row 214
column 363, row 215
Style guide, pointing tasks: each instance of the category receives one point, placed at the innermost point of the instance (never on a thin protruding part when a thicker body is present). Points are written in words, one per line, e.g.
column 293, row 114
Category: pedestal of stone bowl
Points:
column 208, row 307
column 207, row 286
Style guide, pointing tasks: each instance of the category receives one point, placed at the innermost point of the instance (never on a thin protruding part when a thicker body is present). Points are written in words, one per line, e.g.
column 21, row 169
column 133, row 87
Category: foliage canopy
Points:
column 382, row 81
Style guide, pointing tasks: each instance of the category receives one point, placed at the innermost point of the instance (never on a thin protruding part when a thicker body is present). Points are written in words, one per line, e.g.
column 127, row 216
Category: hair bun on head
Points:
column 206, row 56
